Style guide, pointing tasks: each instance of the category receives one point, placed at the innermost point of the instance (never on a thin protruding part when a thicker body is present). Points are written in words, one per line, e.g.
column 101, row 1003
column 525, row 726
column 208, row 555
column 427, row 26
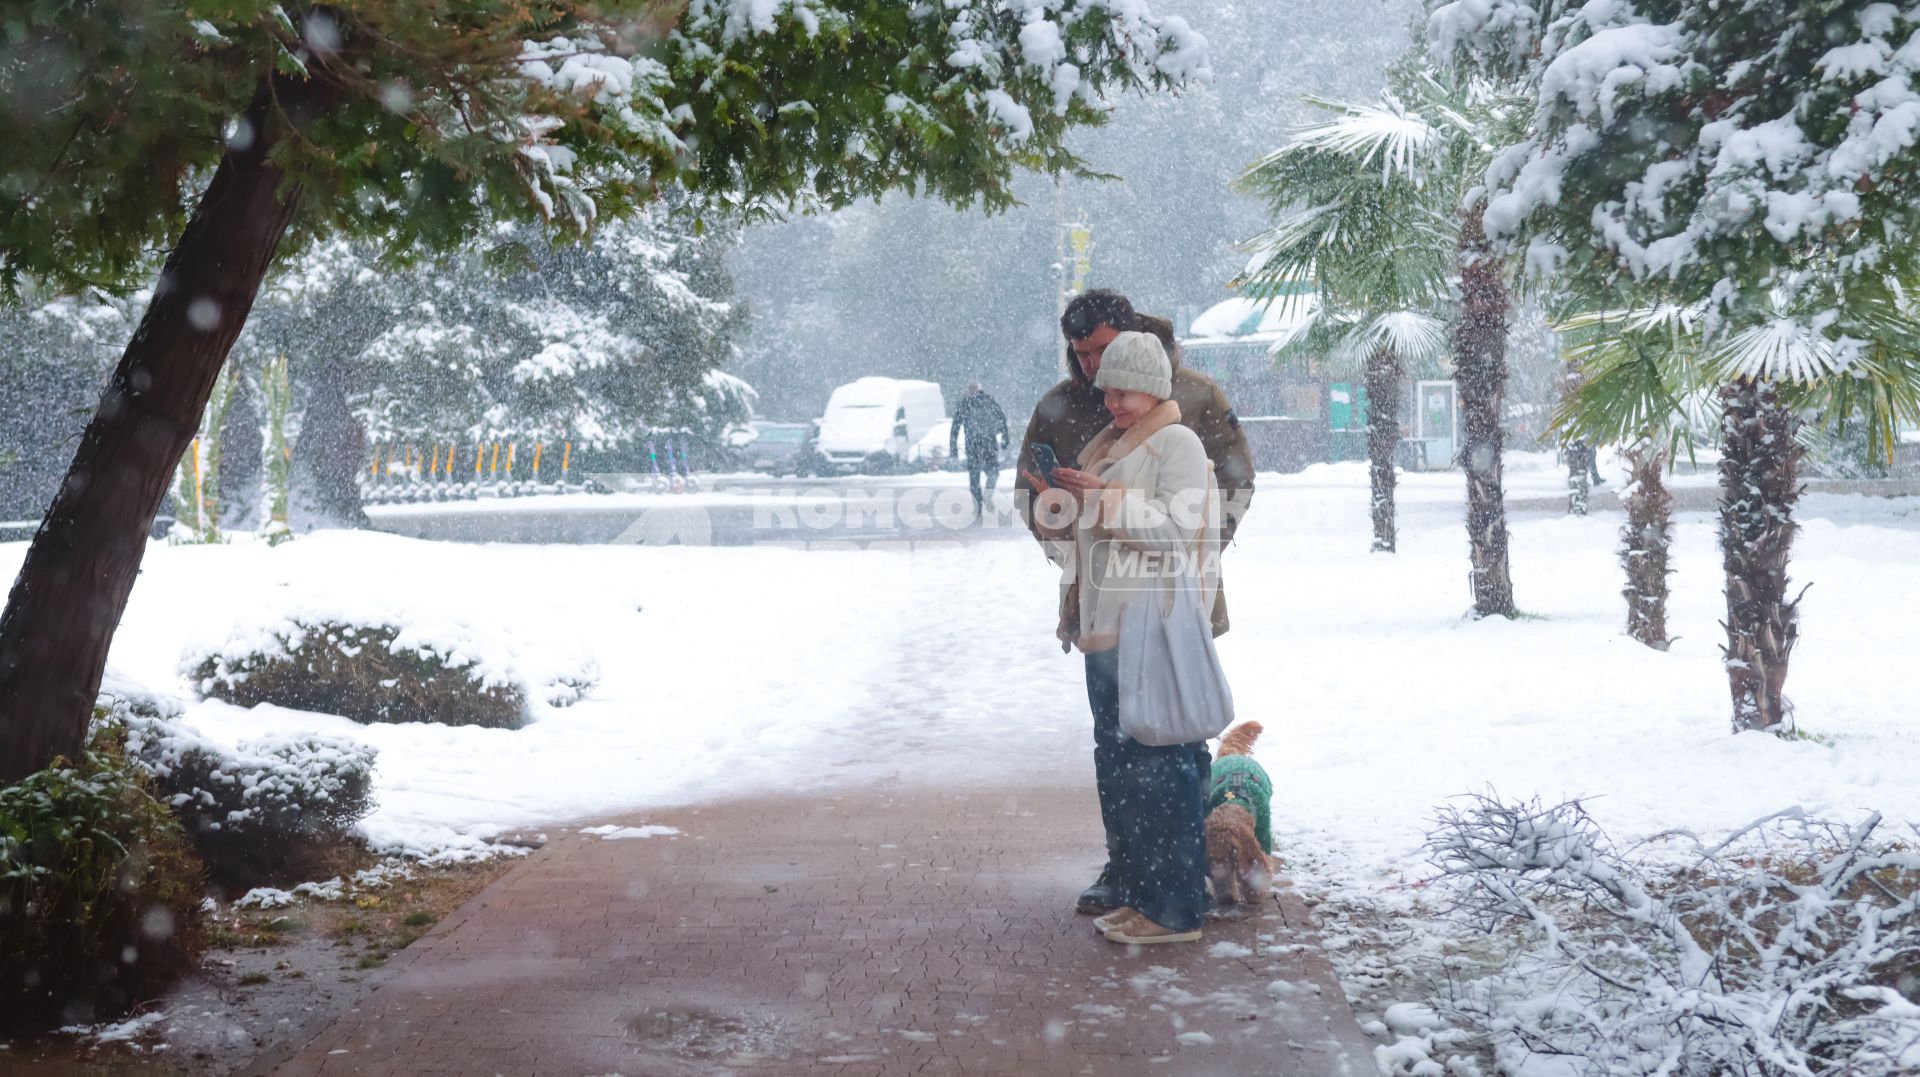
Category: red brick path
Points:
column 865, row 933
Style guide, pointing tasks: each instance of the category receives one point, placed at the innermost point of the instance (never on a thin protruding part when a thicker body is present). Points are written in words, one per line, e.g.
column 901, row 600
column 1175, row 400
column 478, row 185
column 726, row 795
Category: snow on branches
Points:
column 1717, row 153
column 941, row 98
column 1789, row 948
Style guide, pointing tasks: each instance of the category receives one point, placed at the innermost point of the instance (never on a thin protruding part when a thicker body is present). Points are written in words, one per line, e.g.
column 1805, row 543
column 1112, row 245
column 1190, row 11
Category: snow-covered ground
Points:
column 777, row 668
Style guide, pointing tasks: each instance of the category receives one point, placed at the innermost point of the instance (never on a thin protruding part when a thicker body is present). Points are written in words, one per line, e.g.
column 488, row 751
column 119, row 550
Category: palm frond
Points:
column 1782, row 349
column 1401, row 143
column 1340, row 342
column 1311, row 338
column 1637, row 368
column 1419, row 337
column 1879, row 338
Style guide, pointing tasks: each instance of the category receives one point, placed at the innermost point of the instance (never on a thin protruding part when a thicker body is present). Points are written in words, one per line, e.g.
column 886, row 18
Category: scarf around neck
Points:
column 1112, row 444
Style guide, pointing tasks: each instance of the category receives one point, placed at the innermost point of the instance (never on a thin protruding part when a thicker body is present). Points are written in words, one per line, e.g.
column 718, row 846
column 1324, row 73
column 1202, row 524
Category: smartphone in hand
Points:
column 1044, row 459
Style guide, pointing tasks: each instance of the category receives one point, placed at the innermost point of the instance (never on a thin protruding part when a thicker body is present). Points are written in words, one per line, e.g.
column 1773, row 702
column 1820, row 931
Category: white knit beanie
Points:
column 1136, row 362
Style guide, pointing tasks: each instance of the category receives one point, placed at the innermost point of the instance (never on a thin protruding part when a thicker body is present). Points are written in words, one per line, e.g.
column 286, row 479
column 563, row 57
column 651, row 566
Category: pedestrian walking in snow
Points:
column 1140, row 513
column 978, row 415
column 1066, row 419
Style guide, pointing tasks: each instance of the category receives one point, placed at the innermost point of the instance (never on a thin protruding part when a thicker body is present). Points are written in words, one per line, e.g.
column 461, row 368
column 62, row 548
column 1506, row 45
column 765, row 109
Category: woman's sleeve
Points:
column 1168, row 516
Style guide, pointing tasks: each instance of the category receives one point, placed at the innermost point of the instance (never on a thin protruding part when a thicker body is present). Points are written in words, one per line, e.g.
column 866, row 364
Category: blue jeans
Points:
column 1153, row 802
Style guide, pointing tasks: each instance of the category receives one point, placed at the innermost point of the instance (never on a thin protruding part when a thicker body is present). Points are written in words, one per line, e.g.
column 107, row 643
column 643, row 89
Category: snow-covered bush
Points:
column 99, row 892
column 1790, row 948
column 264, row 803
column 366, row 672
column 391, row 649
column 250, row 809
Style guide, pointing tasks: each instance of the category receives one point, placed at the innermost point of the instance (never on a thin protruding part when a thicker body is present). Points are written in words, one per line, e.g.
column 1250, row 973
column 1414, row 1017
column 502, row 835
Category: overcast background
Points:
column 911, row 288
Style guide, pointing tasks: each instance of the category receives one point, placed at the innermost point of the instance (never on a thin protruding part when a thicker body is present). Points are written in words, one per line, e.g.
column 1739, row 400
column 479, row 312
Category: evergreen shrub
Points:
column 100, row 892
column 359, row 671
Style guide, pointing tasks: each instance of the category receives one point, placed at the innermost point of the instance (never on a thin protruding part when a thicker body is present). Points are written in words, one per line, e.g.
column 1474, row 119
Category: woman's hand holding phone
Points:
column 1080, row 482
column 1051, row 474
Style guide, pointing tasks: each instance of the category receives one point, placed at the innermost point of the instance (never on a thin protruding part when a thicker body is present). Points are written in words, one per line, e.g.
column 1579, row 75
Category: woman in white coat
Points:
column 1141, row 510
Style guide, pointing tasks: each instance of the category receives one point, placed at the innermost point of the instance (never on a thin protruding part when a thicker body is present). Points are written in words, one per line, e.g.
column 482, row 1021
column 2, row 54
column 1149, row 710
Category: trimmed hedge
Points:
column 360, row 672
column 99, row 892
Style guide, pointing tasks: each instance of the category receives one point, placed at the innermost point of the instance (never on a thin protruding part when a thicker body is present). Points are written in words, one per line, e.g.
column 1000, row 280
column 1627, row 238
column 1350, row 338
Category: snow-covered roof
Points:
column 877, row 390
column 1243, row 319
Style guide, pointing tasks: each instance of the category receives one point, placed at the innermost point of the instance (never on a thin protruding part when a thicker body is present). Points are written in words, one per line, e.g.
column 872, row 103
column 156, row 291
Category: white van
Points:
column 872, row 423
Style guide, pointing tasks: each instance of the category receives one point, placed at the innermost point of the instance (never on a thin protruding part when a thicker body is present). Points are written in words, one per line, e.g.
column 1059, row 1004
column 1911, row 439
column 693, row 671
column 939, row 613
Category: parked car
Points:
column 930, row 452
column 872, row 424
column 782, row 448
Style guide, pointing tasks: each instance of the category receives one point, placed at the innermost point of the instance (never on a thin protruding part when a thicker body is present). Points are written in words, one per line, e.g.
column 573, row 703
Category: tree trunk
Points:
column 1646, row 540
column 242, row 458
column 78, row 572
column 1579, row 454
column 323, row 483
column 1759, row 484
column 1480, row 372
column 1383, row 437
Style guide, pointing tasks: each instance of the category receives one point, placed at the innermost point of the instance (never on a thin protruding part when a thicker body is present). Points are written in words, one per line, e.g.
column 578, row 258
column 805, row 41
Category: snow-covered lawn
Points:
column 770, row 668
column 773, row 668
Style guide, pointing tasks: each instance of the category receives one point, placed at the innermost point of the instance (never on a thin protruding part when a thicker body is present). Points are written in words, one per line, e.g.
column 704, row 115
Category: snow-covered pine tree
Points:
column 321, row 309
column 538, row 343
column 216, row 131
column 54, row 355
column 1755, row 161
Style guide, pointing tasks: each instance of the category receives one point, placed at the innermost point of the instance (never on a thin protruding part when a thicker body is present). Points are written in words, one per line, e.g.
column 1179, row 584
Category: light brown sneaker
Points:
column 1141, row 931
column 1114, row 919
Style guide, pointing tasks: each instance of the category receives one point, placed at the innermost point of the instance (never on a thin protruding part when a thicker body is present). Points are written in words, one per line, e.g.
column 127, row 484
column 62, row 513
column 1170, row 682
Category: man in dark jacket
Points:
column 1070, row 415
column 985, row 425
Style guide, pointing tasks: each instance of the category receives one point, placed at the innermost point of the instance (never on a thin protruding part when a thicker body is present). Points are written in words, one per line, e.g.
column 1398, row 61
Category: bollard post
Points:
column 199, row 497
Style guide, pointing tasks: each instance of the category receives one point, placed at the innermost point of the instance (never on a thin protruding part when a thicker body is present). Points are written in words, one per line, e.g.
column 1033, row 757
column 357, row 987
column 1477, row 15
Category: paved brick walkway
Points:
column 866, row 933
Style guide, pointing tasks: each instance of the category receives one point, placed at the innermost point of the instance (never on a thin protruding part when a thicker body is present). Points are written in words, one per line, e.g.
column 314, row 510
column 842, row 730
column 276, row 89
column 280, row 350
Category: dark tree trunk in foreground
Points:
column 1759, row 485
column 243, row 445
column 1382, row 377
column 1480, row 374
column 323, row 484
column 1646, row 540
column 73, row 586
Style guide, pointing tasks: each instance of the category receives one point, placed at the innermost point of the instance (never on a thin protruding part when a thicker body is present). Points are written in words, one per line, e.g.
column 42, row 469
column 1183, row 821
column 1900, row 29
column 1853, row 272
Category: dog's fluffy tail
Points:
column 1239, row 740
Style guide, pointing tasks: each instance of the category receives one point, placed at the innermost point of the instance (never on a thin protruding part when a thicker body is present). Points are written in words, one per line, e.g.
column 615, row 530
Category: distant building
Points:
column 1298, row 414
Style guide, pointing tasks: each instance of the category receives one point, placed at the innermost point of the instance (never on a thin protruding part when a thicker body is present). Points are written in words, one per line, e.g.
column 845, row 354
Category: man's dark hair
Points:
column 1092, row 309
column 1159, row 327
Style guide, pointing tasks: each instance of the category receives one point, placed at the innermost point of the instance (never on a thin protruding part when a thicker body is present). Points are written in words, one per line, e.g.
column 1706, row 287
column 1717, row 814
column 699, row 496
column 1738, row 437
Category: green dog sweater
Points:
column 1239, row 779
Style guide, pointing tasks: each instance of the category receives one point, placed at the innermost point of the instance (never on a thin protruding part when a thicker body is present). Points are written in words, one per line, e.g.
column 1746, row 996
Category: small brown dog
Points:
column 1238, row 868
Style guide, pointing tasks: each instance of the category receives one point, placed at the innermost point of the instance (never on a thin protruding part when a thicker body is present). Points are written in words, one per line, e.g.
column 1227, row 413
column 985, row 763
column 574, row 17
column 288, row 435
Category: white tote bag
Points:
column 1172, row 689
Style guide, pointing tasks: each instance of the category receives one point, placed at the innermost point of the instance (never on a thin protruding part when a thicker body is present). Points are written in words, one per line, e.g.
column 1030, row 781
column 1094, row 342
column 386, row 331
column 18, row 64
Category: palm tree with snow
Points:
column 1378, row 207
column 1646, row 369
column 1357, row 220
column 1631, row 376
